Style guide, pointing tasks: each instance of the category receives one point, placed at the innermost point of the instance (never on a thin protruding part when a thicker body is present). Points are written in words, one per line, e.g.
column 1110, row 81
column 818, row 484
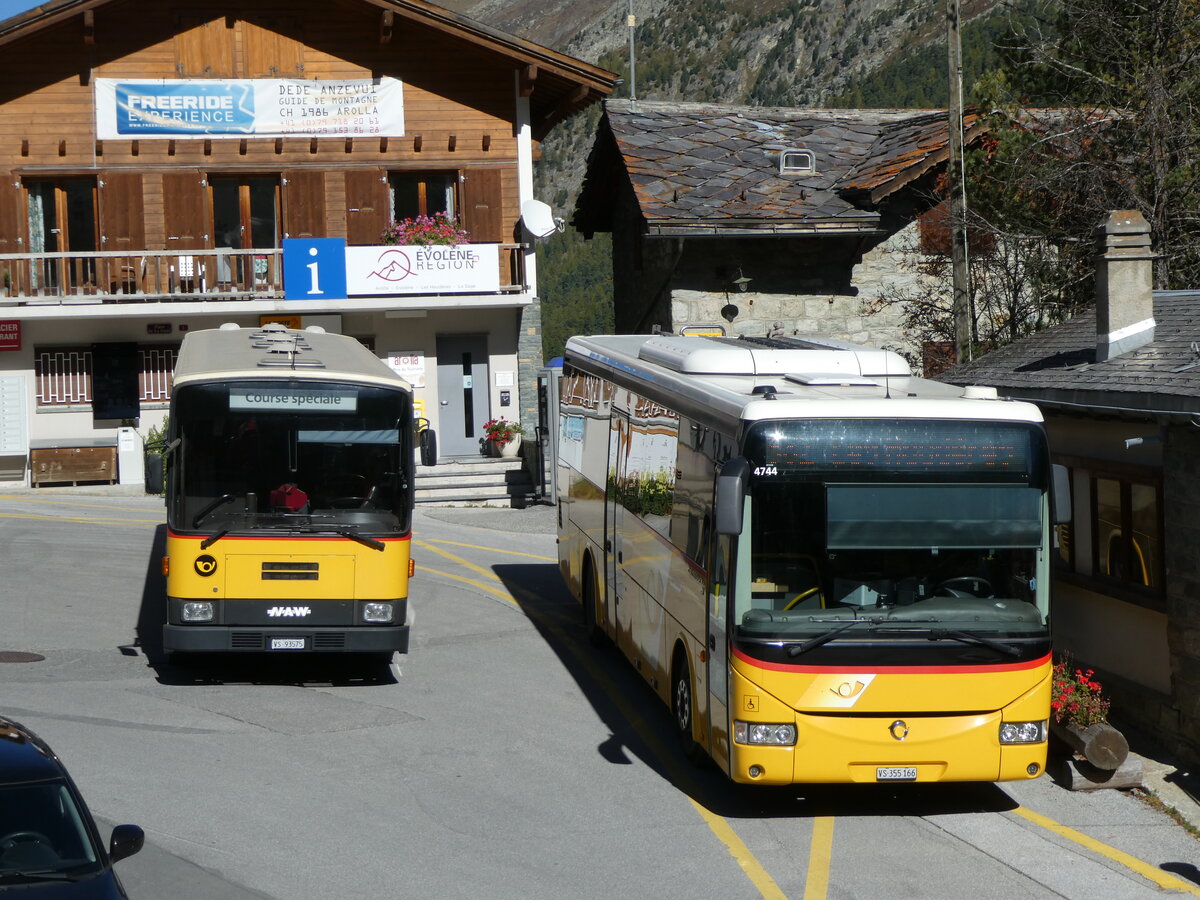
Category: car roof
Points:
column 24, row 756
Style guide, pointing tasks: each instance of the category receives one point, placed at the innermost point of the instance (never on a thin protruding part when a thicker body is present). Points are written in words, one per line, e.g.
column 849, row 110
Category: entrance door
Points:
column 614, row 536
column 462, row 393
column 62, row 219
column 245, row 216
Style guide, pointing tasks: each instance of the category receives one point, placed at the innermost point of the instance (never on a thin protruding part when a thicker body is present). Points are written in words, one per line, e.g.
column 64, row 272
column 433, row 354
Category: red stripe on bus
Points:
column 891, row 670
column 281, row 537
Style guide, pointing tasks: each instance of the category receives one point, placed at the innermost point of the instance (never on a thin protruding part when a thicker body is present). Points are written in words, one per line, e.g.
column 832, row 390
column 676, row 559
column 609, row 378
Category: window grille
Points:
column 64, row 374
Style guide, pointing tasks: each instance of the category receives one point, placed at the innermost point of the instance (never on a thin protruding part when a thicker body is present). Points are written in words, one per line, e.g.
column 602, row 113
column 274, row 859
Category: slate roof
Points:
column 1058, row 366
column 705, row 168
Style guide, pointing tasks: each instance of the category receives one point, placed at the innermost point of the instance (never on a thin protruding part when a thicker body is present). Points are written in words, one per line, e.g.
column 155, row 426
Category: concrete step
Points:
column 474, row 481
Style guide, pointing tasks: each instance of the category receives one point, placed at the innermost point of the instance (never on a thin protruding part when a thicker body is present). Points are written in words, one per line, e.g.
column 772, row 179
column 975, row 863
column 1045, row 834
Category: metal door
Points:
column 462, row 364
column 614, row 538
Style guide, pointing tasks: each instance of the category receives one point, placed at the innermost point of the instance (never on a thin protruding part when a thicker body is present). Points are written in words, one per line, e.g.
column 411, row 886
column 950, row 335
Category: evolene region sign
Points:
column 325, row 268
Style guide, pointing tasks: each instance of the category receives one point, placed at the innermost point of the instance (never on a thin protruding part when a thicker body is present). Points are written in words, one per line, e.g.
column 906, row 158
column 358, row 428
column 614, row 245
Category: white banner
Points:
column 260, row 107
column 467, row 268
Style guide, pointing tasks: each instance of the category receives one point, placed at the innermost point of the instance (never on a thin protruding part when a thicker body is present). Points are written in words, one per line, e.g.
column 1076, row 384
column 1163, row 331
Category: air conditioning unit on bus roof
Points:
column 824, row 356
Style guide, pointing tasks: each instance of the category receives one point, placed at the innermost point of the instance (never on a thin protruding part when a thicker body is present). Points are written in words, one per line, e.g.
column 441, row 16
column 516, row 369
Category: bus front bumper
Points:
column 248, row 639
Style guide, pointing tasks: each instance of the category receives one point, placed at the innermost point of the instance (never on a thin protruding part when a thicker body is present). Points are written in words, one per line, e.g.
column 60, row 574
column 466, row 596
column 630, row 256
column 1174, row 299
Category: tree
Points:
column 1095, row 110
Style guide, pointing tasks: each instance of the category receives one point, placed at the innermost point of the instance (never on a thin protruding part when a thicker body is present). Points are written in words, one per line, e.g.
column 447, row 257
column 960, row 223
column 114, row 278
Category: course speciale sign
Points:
column 259, row 107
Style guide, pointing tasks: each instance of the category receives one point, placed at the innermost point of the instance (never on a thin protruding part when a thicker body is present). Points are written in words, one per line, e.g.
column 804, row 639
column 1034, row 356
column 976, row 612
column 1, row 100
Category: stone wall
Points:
column 800, row 287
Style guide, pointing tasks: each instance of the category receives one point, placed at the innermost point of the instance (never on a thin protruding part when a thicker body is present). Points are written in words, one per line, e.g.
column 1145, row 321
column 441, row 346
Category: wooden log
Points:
column 1079, row 775
column 1100, row 744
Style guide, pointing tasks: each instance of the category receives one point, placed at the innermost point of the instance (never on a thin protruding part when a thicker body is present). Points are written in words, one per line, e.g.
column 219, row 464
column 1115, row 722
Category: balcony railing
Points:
column 169, row 275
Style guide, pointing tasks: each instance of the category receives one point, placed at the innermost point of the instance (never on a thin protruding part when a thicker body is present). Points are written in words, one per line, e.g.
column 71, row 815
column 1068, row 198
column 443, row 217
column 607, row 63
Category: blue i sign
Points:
column 314, row 269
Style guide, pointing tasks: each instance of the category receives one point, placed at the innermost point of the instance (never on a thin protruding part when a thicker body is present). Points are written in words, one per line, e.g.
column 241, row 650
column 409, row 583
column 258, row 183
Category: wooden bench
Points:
column 67, row 460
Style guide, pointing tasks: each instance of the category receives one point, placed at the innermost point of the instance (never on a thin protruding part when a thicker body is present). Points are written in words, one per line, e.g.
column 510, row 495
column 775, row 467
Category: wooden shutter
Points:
column 185, row 211
column 13, row 218
column 304, row 205
column 366, row 205
column 204, row 47
column 267, row 53
column 482, row 208
column 122, row 214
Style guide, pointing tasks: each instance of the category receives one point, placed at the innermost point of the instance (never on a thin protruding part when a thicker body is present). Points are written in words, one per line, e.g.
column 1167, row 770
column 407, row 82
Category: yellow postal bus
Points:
column 289, row 495
column 829, row 569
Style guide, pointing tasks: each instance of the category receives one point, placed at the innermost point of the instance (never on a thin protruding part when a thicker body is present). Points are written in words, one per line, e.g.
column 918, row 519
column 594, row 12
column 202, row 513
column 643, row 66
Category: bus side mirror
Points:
column 1062, row 495
column 731, row 495
column 427, row 441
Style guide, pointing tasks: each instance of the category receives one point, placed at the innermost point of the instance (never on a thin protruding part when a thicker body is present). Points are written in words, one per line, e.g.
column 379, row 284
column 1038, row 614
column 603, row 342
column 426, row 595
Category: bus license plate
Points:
column 896, row 773
column 287, row 643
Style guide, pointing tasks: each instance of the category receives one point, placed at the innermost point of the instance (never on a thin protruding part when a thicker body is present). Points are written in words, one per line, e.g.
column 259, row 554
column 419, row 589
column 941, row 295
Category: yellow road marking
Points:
column 553, row 559
column 21, row 499
column 737, row 849
column 820, row 856
column 744, row 858
column 1146, row 870
column 78, row 520
column 486, row 588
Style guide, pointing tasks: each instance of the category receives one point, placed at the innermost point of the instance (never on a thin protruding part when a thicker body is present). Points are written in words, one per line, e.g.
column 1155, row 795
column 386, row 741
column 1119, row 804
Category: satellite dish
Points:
column 538, row 218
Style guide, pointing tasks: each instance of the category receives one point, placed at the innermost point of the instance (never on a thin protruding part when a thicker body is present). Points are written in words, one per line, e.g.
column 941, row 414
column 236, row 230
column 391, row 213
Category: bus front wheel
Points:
column 595, row 634
column 682, row 706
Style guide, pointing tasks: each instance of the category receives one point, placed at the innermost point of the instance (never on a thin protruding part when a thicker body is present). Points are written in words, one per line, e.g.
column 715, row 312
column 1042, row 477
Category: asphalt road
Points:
column 501, row 758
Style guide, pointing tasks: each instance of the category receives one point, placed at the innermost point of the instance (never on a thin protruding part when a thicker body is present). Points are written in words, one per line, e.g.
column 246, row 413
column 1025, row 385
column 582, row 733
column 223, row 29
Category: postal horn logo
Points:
column 205, row 565
column 392, row 265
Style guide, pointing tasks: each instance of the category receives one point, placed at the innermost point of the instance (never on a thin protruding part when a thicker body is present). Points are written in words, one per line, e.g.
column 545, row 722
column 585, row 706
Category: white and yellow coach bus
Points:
column 829, row 569
column 289, row 495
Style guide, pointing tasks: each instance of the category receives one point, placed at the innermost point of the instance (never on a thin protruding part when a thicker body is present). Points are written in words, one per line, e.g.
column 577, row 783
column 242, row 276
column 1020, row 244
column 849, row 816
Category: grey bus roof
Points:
column 234, row 353
column 726, row 381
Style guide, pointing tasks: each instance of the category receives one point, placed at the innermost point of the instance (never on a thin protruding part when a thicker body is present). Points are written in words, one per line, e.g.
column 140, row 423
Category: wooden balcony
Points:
column 47, row 279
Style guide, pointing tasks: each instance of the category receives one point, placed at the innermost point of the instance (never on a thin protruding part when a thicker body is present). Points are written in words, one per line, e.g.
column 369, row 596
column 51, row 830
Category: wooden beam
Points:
column 208, row 146
column 383, row 142
column 278, row 145
column 349, row 145
column 243, row 146
column 25, row 147
column 452, row 142
column 134, row 148
column 487, row 143
column 386, row 19
column 528, row 76
column 170, row 147
column 312, row 145
column 89, row 26
column 416, row 144
column 99, row 148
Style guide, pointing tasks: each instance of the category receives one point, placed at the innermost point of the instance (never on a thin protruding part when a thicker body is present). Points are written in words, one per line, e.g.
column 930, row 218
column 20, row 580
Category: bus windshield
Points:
column 299, row 456
column 917, row 526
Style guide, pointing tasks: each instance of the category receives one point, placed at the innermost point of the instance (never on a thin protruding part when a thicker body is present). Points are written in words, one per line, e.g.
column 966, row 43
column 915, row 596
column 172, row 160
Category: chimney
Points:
column 1124, row 285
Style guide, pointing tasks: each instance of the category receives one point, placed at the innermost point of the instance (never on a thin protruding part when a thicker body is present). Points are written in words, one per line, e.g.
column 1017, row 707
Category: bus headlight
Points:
column 197, row 611
column 781, row 734
column 377, row 612
column 1023, row 732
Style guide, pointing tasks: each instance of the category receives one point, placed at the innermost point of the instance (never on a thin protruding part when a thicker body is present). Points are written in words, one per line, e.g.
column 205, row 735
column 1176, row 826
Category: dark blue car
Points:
column 49, row 845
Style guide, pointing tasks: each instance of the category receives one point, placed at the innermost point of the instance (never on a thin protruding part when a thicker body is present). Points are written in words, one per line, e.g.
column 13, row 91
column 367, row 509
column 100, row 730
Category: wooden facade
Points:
column 460, row 86
column 132, row 241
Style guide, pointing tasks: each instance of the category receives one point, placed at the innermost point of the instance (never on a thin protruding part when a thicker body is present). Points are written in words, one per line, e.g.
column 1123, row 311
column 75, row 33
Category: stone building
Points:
column 1120, row 389
column 764, row 220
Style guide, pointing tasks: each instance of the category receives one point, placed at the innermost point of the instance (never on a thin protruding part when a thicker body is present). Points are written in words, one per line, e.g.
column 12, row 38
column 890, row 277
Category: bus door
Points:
column 718, row 650
column 617, row 517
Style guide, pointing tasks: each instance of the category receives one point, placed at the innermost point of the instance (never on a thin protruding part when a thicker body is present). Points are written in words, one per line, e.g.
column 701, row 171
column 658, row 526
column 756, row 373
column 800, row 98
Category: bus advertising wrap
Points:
column 260, row 107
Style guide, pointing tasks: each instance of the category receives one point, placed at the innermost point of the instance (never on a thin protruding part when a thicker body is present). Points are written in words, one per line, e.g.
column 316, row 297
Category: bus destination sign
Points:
column 292, row 400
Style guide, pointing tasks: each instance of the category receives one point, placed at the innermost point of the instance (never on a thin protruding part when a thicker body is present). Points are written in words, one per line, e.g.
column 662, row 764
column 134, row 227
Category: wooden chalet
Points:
column 157, row 157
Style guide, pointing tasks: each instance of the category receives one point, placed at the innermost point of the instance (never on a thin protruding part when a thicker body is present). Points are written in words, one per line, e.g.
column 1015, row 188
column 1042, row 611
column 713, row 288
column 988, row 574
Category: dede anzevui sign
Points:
column 257, row 107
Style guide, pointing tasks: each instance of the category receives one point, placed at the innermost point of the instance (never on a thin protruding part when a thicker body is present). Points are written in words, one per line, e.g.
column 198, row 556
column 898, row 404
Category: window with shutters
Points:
column 422, row 194
column 64, row 374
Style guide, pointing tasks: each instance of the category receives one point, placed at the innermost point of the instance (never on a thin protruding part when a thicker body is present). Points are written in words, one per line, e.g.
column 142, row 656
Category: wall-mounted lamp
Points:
column 729, row 312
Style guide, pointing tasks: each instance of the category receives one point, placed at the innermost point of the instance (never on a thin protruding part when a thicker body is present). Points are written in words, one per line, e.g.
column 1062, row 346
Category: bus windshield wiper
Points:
column 822, row 639
column 208, row 510
column 347, row 533
column 213, row 538
column 939, row 634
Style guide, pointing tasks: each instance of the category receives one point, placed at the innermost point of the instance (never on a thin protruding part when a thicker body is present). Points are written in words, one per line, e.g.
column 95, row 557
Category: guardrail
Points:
column 108, row 276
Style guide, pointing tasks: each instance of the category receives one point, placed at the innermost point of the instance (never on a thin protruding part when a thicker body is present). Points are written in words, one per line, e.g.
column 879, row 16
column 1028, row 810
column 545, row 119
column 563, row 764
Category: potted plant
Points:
column 1079, row 716
column 504, row 436
column 440, row 228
